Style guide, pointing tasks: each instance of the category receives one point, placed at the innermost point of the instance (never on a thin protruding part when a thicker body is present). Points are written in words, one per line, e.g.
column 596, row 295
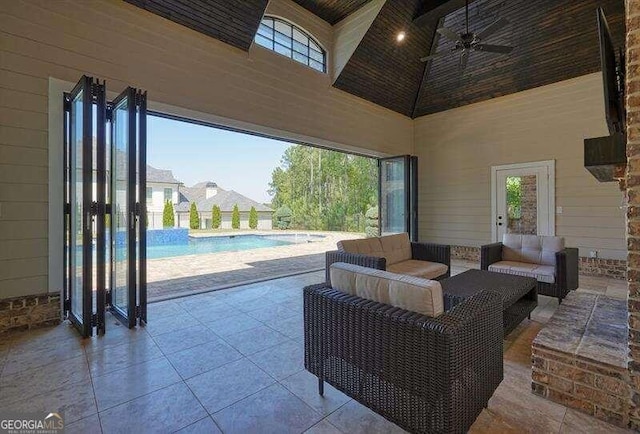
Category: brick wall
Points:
column 633, row 195
column 22, row 313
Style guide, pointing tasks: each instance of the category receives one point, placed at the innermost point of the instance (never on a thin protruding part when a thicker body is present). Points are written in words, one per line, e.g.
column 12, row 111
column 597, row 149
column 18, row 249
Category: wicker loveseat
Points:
column 426, row 374
column 544, row 258
column 394, row 253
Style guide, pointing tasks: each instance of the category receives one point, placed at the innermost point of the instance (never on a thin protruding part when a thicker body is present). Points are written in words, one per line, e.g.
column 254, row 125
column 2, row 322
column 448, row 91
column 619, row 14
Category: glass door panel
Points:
column 141, row 203
column 394, row 195
column 78, row 299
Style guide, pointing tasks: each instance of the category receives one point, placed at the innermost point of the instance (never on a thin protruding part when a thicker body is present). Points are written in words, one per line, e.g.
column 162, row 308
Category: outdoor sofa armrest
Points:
column 431, row 252
column 352, row 258
column 490, row 254
column 567, row 268
column 450, row 364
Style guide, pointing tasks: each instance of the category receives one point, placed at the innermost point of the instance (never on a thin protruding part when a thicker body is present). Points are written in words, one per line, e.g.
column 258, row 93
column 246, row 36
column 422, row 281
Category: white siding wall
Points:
column 181, row 69
column 456, row 149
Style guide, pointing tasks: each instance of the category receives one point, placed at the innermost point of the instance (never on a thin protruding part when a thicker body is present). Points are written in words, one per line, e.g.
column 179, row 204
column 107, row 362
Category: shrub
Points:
column 235, row 217
column 253, row 218
column 194, row 219
column 216, row 217
column 283, row 217
column 168, row 219
column 372, row 227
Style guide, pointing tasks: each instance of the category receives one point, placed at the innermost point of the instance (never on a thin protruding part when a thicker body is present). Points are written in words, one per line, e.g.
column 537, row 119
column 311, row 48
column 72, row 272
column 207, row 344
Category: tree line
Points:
column 168, row 217
column 321, row 189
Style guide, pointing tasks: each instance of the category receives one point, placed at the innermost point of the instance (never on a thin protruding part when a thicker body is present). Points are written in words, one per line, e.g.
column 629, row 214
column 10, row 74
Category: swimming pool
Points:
column 231, row 243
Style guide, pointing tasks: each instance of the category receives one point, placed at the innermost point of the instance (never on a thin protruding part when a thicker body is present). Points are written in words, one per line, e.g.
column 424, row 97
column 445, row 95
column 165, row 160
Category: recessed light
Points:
column 400, row 36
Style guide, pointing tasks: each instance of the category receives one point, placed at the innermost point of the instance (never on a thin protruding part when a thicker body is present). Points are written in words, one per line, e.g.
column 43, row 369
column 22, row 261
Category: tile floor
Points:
column 232, row 361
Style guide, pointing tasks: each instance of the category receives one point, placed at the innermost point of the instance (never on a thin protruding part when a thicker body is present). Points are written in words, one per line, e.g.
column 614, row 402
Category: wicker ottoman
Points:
column 519, row 294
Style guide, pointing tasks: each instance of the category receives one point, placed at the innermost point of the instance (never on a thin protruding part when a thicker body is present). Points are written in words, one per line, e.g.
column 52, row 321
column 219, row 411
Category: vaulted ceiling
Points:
column 554, row 40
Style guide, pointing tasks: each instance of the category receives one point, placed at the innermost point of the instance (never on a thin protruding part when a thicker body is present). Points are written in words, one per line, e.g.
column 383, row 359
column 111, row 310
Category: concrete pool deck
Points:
column 183, row 275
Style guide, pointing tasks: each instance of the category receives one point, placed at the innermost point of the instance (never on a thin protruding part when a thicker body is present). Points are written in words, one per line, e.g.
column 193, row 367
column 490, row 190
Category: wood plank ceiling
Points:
column 555, row 40
column 332, row 11
column 231, row 21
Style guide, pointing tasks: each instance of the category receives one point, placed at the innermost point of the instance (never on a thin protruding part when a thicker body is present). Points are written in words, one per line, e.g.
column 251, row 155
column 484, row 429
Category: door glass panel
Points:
column 77, row 209
column 120, row 211
column 393, row 196
column 522, row 205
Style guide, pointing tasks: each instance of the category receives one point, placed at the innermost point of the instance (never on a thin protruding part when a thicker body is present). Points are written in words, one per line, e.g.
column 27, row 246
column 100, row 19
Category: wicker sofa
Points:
column 545, row 258
column 394, row 253
column 426, row 374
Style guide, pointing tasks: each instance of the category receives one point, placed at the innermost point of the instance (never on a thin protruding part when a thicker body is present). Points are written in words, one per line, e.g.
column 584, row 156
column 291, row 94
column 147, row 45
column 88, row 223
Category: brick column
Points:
column 633, row 195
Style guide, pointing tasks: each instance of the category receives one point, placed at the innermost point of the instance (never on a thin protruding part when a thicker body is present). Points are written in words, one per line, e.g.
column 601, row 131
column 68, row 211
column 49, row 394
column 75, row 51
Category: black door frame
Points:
column 410, row 193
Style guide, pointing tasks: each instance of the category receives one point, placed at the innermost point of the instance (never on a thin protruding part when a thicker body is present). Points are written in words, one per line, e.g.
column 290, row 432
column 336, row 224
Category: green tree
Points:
column 216, row 217
column 235, row 217
column 372, row 225
column 324, row 189
column 194, row 219
column 168, row 218
column 283, row 217
column 253, row 218
column 514, row 196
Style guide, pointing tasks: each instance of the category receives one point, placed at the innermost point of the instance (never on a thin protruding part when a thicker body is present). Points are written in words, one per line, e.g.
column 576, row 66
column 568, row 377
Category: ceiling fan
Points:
column 466, row 41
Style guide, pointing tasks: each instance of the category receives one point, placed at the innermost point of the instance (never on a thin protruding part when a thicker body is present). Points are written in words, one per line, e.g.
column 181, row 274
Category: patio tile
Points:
column 221, row 387
column 233, row 324
column 256, row 339
column 250, row 305
column 203, row 426
column 272, row 410
column 355, row 418
column 129, row 383
column 90, row 424
column 31, row 383
column 292, row 327
column 323, row 427
column 202, row 358
column 122, row 356
column 281, row 360
column 163, row 411
column 76, row 400
column 163, row 309
column 305, row 386
column 20, row 360
column 43, row 339
column 578, row 423
column 271, row 312
column 117, row 334
column 185, row 338
column 170, row 323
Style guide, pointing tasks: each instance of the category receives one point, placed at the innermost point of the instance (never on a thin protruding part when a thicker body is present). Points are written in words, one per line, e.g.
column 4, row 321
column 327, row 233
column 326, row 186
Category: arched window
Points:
column 289, row 40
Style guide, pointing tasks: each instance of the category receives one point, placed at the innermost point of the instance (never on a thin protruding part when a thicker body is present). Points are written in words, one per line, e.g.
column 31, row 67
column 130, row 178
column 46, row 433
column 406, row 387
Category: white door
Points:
column 523, row 197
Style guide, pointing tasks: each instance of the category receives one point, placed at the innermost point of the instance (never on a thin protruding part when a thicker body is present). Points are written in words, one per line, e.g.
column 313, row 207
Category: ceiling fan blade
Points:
column 502, row 49
column 492, row 28
column 449, row 34
column 435, row 56
column 464, row 58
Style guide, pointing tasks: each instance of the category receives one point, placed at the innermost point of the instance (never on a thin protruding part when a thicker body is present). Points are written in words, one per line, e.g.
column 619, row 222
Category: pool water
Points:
column 201, row 245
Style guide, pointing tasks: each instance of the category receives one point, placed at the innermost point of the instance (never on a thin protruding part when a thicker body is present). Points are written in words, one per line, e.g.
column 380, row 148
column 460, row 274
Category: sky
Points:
column 196, row 153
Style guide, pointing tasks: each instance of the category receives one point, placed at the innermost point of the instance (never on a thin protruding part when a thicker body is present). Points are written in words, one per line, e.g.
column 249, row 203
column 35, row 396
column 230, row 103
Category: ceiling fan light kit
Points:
column 467, row 41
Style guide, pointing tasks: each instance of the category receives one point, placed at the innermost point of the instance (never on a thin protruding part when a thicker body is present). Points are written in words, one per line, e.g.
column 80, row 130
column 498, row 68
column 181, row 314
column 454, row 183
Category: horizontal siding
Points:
column 180, row 68
column 457, row 148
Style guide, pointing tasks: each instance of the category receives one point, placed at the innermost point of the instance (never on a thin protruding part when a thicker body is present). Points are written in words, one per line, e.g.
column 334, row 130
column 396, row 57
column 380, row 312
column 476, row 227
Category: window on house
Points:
column 168, row 194
column 149, row 194
column 291, row 41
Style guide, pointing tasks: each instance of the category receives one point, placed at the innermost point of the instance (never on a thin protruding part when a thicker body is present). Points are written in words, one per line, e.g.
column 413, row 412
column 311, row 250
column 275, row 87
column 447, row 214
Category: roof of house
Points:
column 225, row 199
column 161, row 176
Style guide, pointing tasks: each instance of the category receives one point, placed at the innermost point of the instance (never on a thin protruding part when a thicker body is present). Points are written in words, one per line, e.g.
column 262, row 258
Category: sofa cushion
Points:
column 410, row 293
column 542, row 273
column 423, row 269
column 532, row 249
column 417, row 295
column 396, row 248
column 363, row 246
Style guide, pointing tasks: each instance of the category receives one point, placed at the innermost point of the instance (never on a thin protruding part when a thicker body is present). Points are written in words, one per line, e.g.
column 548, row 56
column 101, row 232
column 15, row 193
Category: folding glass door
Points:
column 104, row 237
column 398, row 195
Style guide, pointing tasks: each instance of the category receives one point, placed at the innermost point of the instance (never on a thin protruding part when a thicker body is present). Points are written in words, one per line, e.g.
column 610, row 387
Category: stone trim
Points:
column 598, row 267
column 31, row 311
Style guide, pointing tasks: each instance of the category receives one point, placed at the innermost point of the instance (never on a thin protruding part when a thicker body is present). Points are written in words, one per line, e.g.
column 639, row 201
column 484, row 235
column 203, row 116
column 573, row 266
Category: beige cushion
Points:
column 542, row 273
column 533, row 249
column 363, row 246
column 397, row 248
column 417, row 295
column 410, row 293
column 423, row 269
